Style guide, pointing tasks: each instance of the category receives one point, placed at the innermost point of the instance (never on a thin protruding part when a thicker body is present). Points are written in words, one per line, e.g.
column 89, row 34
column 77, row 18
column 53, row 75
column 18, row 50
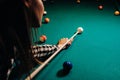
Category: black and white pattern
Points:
column 43, row 50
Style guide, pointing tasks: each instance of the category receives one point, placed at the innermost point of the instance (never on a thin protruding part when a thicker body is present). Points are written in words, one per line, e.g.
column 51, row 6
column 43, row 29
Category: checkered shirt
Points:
column 43, row 50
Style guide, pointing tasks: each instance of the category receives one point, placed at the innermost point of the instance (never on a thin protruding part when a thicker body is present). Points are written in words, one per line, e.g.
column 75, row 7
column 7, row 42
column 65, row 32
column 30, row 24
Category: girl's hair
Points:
column 15, row 37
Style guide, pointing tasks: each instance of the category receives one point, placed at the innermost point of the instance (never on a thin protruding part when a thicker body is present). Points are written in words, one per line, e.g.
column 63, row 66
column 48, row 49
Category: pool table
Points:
column 94, row 54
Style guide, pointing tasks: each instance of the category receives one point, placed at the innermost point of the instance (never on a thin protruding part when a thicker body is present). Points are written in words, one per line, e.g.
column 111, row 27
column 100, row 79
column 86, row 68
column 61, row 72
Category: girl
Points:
column 18, row 17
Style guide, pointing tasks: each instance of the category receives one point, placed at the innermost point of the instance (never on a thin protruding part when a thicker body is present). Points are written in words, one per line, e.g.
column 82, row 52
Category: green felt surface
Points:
column 95, row 54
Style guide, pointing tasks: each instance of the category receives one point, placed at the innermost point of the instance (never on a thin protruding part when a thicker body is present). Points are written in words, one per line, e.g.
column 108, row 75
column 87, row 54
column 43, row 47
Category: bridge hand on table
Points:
column 63, row 41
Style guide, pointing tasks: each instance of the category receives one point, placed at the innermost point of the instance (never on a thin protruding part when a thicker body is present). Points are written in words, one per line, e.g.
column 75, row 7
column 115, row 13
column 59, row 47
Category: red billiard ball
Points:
column 78, row 1
column 47, row 20
column 117, row 13
column 43, row 38
column 100, row 7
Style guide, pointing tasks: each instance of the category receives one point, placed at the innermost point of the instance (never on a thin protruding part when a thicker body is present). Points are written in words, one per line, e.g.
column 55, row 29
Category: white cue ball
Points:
column 80, row 29
column 45, row 12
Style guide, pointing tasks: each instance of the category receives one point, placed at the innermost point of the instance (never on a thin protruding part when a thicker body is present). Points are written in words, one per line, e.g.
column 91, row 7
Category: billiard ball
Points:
column 47, row 20
column 43, row 38
column 78, row 1
column 67, row 66
column 80, row 30
column 45, row 12
column 100, row 7
column 117, row 13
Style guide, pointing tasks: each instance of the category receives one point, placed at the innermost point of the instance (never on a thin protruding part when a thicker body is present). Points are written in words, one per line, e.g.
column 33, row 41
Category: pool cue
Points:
column 38, row 61
column 79, row 30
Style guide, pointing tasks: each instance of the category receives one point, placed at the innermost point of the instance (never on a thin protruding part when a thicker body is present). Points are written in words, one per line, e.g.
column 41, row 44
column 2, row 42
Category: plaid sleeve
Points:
column 43, row 50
